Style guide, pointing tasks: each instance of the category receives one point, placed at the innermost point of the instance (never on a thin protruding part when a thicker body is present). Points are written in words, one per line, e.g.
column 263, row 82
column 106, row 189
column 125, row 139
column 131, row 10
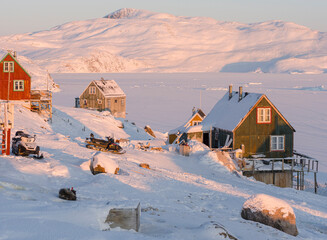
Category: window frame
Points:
column 278, row 142
column 8, row 66
column 265, row 110
column 92, row 90
column 195, row 123
column 99, row 101
column 21, row 87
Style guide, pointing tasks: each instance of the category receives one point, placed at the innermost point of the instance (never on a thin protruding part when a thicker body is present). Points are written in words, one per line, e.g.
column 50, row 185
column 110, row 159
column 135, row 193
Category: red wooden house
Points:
column 14, row 76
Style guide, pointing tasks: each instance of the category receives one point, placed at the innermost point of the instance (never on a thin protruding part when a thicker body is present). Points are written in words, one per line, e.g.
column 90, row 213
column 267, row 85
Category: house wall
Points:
column 198, row 136
column 171, row 138
column 113, row 104
column 116, row 106
column 92, row 99
column 196, row 118
column 256, row 137
column 219, row 137
column 18, row 74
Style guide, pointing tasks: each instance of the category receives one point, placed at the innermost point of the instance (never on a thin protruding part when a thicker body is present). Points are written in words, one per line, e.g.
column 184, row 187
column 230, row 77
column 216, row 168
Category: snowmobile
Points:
column 108, row 145
column 24, row 144
column 67, row 194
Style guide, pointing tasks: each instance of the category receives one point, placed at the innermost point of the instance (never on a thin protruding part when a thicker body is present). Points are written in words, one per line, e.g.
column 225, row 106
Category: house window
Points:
column 8, row 66
column 99, row 101
column 92, row 90
column 116, row 100
column 85, row 102
column 196, row 123
column 277, row 143
column 18, row 85
column 263, row 115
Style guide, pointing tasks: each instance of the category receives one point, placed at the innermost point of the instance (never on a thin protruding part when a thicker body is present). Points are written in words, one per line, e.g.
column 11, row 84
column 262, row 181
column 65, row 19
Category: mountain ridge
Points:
column 131, row 40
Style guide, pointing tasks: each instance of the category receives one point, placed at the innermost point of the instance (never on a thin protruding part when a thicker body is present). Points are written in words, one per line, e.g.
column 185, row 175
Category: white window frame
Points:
column 264, row 115
column 92, row 90
column 19, row 85
column 196, row 123
column 8, row 66
column 277, row 143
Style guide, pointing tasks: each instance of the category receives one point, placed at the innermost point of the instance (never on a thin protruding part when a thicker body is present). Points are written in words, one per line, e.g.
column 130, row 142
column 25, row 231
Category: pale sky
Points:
column 21, row 16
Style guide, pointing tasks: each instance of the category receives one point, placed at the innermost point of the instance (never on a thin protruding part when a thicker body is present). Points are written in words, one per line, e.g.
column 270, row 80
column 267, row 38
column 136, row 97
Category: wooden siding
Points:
column 282, row 179
column 117, row 109
column 196, row 118
column 219, row 137
column 18, row 74
column 256, row 137
column 172, row 138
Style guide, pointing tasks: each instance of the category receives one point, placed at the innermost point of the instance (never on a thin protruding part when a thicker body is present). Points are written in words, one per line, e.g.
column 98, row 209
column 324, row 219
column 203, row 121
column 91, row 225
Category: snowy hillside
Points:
column 131, row 40
column 181, row 197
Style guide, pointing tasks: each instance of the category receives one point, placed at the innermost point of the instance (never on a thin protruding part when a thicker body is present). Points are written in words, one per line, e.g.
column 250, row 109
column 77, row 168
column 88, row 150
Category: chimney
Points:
column 230, row 91
column 240, row 94
column 15, row 54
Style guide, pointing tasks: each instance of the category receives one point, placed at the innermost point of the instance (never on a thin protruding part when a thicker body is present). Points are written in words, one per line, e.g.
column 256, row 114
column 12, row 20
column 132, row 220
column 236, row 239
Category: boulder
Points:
column 144, row 165
column 103, row 163
column 148, row 129
column 270, row 211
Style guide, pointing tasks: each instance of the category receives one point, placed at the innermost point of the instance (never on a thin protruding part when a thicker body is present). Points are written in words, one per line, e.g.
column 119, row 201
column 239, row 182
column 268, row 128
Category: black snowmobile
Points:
column 24, row 144
column 108, row 145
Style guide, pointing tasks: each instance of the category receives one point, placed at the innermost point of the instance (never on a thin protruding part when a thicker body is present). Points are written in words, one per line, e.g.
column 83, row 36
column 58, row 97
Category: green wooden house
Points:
column 248, row 121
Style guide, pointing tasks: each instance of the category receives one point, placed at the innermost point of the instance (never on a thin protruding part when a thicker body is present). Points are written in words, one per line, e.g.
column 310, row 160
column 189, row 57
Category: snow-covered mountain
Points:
column 131, row 40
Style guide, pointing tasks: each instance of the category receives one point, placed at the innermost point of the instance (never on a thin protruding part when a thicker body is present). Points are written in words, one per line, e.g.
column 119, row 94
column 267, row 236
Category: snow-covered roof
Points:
column 109, row 88
column 228, row 113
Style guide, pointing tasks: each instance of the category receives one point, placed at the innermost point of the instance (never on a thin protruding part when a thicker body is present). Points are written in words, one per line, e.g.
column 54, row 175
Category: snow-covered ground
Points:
column 181, row 197
column 132, row 40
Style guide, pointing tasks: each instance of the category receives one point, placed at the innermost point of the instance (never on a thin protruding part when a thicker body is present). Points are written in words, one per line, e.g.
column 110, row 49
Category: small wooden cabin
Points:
column 247, row 121
column 104, row 95
column 14, row 76
column 196, row 119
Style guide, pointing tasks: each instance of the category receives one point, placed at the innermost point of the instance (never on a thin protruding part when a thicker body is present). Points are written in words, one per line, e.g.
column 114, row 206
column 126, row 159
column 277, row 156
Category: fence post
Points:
column 316, row 184
column 273, row 172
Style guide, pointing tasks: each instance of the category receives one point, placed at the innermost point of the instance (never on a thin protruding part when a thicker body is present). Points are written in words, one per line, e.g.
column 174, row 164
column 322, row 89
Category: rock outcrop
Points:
column 270, row 211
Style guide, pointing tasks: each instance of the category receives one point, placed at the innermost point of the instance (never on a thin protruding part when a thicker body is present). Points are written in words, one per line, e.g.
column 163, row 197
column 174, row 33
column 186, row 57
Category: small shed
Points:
column 15, row 81
column 104, row 95
column 196, row 119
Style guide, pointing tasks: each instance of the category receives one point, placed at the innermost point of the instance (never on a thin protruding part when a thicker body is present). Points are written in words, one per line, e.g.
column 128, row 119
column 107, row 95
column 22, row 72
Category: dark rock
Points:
column 67, row 194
